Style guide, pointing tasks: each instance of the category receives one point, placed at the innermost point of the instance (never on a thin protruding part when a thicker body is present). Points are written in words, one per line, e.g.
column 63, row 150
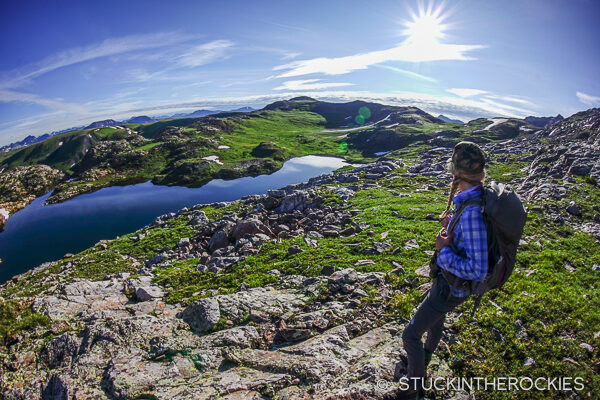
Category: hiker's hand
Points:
column 442, row 239
column 445, row 221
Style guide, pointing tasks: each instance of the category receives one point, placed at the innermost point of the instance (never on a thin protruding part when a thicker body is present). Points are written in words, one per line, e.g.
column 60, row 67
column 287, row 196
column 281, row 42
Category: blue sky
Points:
column 69, row 63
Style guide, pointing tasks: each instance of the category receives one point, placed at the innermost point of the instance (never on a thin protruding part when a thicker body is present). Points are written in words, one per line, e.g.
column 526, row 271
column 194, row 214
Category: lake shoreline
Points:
column 120, row 209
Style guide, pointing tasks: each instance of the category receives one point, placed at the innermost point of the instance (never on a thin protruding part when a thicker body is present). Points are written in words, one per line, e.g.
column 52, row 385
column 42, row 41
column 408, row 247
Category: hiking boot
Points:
column 399, row 372
column 400, row 369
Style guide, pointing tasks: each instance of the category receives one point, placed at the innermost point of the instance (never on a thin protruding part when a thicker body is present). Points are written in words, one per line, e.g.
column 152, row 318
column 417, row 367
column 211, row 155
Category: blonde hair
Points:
column 474, row 179
column 453, row 188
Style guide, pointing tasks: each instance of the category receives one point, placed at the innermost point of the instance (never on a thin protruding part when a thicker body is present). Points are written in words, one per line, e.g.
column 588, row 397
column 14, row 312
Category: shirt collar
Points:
column 468, row 194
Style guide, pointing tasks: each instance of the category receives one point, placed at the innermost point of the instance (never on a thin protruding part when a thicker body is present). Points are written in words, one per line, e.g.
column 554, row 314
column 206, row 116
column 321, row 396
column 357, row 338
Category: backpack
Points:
column 504, row 217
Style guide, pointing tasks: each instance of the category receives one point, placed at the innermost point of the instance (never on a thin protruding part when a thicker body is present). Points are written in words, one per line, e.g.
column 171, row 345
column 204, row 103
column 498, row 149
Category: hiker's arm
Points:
column 474, row 265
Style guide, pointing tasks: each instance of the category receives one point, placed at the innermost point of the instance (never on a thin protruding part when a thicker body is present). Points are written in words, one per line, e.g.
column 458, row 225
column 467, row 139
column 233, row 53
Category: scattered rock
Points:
column 529, row 362
column 294, row 249
column 423, row 271
column 202, row 315
column 411, row 244
column 148, row 293
column 327, row 270
column 587, row 347
column 573, row 209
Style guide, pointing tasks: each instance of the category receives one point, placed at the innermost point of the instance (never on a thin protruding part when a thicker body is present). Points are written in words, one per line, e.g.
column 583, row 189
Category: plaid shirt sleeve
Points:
column 469, row 234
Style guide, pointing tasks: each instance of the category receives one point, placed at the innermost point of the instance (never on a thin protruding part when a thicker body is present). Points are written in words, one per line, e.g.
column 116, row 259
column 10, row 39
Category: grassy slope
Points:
column 49, row 152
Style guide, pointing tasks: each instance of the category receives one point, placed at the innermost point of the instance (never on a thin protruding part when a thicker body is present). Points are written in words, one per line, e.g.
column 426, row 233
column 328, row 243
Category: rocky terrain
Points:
column 19, row 186
column 303, row 292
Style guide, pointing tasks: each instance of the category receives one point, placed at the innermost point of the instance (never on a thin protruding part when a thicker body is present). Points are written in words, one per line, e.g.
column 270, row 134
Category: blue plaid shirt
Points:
column 470, row 238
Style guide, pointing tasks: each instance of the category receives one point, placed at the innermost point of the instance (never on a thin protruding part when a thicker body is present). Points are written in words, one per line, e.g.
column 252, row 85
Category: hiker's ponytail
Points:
column 453, row 189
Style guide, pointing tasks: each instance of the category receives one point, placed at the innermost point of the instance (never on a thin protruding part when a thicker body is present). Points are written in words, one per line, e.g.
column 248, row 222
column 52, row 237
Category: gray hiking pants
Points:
column 429, row 317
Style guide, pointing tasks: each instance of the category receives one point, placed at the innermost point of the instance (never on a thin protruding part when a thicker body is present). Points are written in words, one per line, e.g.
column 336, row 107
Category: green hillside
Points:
column 192, row 151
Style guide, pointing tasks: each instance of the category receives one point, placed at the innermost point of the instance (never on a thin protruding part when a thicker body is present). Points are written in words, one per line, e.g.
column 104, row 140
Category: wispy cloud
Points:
column 507, row 108
column 205, row 53
column 8, row 96
column 108, row 47
column 290, row 55
column 310, row 84
column 288, row 26
column 511, row 99
column 587, row 99
column 464, row 92
column 408, row 73
column 407, row 51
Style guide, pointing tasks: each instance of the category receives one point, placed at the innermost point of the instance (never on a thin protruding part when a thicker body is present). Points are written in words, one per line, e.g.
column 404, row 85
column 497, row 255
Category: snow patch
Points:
column 358, row 128
column 380, row 153
column 223, row 146
column 495, row 121
column 214, row 159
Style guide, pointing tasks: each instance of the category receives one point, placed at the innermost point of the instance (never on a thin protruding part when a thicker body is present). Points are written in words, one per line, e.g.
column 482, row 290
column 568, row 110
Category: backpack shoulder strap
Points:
column 459, row 212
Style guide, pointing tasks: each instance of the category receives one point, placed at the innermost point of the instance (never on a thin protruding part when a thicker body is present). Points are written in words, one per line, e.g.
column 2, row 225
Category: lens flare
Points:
column 426, row 27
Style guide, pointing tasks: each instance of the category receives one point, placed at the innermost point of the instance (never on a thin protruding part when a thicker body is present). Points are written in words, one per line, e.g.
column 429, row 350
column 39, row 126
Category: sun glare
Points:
column 426, row 26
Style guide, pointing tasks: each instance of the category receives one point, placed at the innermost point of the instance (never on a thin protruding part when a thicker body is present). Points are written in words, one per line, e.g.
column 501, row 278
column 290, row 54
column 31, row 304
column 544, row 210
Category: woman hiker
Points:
column 462, row 253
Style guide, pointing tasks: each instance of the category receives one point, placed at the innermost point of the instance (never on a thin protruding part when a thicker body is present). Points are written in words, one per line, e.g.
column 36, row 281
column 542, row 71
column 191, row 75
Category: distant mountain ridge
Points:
column 446, row 119
column 543, row 122
column 142, row 119
column 102, row 124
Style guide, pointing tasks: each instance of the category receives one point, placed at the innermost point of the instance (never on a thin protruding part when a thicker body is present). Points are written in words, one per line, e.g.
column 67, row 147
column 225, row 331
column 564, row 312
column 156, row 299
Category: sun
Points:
column 426, row 28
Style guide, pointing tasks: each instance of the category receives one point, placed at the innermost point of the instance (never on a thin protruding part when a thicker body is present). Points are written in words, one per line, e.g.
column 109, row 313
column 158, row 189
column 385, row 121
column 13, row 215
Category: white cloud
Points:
column 508, row 109
column 8, row 96
column 408, row 73
column 205, row 53
column 290, row 55
column 407, row 51
column 587, row 99
column 309, row 84
column 466, row 92
column 108, row 47
column 511, row 99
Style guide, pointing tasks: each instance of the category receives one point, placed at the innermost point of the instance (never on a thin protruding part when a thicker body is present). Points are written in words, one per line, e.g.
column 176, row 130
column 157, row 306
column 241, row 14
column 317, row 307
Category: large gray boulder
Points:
column 218, row 240
column 251, row 227
column 202, row 315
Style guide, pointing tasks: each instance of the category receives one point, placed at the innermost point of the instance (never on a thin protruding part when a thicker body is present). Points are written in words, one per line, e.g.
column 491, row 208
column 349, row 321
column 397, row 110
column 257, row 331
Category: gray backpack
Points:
column 504, row 217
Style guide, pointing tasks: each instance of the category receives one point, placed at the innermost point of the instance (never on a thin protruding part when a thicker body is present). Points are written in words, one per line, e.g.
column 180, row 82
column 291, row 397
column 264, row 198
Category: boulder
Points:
column 344, row 276
column 183, row 242
column 573, row 209
column 251, row 226
column 218, row 240
column 148, row 293
column 202, row 315
column 156, row 259
column 294, row 249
